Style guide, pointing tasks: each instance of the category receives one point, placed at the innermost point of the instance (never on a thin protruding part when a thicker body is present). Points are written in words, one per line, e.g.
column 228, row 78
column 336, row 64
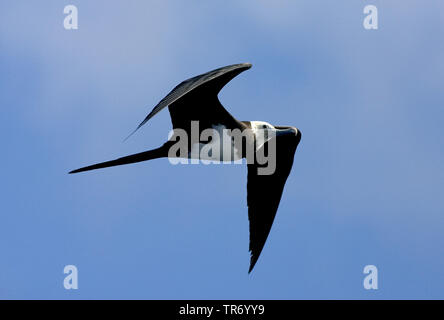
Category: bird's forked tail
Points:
column 138, row 157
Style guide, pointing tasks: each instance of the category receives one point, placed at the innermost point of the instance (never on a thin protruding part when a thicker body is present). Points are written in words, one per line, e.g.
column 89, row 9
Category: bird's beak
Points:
column 286, row 131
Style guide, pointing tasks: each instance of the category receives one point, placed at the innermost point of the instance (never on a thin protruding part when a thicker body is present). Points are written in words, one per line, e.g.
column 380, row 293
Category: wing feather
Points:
column 218, row 78
column 264, row 193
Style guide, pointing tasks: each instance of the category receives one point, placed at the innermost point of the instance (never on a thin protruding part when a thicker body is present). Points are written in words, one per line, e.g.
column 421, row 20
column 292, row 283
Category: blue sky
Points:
column 366, row 186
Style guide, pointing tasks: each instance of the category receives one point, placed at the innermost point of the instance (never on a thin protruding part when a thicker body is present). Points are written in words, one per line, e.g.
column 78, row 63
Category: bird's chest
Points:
column 218, row 144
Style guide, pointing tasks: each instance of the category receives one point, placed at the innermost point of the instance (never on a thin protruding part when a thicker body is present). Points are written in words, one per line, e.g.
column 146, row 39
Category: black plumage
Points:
column 196, row 99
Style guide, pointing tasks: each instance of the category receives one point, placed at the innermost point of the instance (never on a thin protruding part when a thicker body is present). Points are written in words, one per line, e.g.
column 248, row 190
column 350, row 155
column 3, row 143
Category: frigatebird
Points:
column 196, row 99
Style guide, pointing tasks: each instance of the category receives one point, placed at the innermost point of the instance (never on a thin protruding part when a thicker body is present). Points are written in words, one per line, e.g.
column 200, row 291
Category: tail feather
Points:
column 138, row 157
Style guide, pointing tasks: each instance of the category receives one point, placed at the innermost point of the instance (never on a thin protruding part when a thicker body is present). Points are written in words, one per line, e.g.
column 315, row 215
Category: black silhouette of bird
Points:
column 196, row 99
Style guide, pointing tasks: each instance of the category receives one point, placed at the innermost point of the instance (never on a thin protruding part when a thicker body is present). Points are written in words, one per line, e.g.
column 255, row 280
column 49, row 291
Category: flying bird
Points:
column 196, row 100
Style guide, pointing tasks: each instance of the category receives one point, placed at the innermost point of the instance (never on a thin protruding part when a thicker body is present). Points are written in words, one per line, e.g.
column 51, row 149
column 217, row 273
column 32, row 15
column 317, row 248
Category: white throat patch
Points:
column 263, row 132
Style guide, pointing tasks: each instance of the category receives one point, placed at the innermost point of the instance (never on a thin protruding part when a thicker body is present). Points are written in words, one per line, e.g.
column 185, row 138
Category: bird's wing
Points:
column 264, row 194
column 203, row 88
